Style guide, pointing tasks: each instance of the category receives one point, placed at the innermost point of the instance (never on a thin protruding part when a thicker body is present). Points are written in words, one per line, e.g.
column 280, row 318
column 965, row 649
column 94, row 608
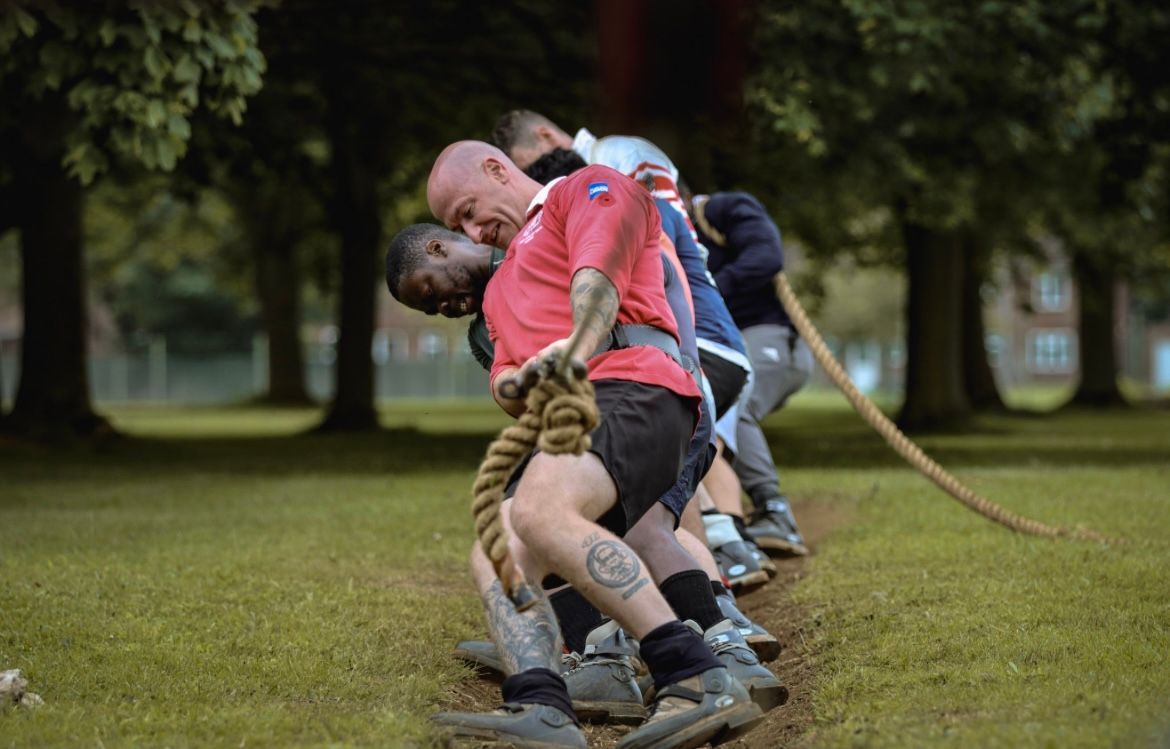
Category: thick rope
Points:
column 902, row 444
column 559, row 415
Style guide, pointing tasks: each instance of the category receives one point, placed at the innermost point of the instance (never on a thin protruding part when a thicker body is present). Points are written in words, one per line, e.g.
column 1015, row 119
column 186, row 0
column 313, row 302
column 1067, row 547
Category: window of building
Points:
column 1051, row 351
column 1050, row 291
column 995, row 346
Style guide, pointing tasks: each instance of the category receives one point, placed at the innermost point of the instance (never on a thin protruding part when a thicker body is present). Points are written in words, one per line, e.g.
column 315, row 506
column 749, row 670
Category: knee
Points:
column 531, row 520
column 655, row 528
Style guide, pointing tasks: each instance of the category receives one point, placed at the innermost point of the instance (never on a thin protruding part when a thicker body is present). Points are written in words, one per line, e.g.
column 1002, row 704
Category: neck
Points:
column 527, row 188
column 481, row 268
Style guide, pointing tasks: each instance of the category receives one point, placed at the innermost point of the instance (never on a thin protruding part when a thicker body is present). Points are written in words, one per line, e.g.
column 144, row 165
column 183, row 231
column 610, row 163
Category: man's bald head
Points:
column 475, row 188
column 456, row 164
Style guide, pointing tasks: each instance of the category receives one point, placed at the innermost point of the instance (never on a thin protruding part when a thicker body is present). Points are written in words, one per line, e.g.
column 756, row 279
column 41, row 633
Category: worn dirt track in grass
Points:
column 772, row 607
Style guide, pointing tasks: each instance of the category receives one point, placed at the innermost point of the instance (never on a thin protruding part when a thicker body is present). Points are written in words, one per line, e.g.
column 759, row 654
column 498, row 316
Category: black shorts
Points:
column 726, row 378
column 642, row 442
column 700, row 455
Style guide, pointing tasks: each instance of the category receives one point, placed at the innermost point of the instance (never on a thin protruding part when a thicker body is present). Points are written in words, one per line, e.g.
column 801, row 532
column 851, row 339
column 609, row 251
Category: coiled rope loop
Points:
column 560, row 412
column 902, row 444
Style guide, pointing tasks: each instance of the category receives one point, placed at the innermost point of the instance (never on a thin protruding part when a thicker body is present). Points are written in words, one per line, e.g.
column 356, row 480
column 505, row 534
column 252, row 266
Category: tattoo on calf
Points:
column 612, row 564
column 526, row 640
column 590, row 540
column 634, row 588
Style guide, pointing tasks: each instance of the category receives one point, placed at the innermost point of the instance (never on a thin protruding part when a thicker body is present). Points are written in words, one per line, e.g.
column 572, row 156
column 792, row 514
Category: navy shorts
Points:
column 643, row 441
column 700, row 454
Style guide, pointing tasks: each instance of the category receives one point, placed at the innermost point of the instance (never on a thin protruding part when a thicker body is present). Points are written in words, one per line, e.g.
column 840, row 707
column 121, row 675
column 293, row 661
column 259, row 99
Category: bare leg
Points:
column 692, row 519
column 702, row 555
column 723, row 485
column 525, row 640
column 552, row 515
column 661, row 547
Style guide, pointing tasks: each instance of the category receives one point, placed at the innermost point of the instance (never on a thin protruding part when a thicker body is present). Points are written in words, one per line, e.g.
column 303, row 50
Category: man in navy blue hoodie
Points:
column 745, row 253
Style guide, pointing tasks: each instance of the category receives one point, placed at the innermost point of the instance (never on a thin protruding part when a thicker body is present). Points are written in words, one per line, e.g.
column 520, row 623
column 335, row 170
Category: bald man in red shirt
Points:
column 594, row 235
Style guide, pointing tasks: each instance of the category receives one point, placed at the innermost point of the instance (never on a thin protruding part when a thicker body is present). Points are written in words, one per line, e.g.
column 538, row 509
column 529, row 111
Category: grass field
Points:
column 220, row 580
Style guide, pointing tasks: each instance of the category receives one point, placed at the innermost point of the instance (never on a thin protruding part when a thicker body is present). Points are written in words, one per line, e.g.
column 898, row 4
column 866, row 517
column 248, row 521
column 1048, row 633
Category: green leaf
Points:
column 84, row 161
column 189, row 95
column 153, row 32
column 219, row 45
column 108, row 32
column 179, row 126
column 168, row 153
column 155, row 62
column 156, row 113
column 192, row 32
column 28, row 24
column 186, row 70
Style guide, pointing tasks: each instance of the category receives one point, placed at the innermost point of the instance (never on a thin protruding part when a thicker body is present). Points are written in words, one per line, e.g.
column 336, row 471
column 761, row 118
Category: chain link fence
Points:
column 151, row 373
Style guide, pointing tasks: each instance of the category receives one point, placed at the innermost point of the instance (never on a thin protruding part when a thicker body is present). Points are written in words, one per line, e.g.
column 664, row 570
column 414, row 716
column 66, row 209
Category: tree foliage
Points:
column 134, row 73
column 84, row 85
column 961, row 125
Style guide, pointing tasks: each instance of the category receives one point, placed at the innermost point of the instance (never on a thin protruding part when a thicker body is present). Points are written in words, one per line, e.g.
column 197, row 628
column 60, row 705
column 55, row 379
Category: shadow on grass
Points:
column 801, row 440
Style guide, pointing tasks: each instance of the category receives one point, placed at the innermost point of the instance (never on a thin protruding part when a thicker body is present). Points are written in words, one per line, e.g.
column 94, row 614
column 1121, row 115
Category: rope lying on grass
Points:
column 902, row 444
column 560, row 412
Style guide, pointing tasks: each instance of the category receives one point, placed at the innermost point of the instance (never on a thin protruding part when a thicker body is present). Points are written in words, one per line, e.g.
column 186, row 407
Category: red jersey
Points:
column 595, row 218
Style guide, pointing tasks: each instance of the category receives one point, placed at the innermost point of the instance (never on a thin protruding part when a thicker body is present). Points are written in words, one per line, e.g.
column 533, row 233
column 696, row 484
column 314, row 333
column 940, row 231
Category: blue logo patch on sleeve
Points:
column 597, row 188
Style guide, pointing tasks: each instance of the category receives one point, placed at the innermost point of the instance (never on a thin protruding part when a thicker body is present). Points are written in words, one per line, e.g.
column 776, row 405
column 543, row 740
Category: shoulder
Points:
column 591, row 173
column 592, row 182
column 723, row 205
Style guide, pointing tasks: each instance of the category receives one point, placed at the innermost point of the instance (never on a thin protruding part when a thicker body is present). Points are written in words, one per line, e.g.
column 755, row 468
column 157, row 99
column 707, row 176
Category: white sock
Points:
column 720, row 529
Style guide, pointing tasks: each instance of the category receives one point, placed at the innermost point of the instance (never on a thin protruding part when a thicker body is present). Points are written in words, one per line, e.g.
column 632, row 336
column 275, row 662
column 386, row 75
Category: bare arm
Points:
column 594, row 300
column 514, row 406
column 595, row 304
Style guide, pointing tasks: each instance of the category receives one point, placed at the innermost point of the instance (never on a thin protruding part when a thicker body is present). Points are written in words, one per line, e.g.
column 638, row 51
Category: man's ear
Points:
column 435, row 248
column 545, row 135
column 495, row 170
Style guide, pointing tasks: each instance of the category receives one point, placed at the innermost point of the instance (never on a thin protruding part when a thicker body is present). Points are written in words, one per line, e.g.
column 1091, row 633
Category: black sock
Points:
column 576, row 616
column 741, row 527
column 719, row 589
column 673, row 652
column 689, row 594
column 760, row 496
column 539, row 686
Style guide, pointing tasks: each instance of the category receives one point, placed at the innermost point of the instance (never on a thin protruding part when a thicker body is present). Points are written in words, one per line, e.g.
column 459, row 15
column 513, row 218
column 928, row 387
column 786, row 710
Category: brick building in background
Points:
column 1032, row 329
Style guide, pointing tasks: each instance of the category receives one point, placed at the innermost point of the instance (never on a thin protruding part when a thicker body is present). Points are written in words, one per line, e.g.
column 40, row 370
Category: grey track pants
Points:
column 781, row 363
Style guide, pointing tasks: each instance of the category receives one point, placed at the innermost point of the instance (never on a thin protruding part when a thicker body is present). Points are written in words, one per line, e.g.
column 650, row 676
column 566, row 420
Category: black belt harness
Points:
column 629, row 335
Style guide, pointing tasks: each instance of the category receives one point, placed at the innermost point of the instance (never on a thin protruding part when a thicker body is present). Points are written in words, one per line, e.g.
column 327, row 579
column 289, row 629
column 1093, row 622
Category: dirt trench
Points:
column 772, row 607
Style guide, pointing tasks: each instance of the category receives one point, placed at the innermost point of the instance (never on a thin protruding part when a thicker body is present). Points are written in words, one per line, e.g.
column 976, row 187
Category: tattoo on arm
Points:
column 595, row 304
column 526, row 640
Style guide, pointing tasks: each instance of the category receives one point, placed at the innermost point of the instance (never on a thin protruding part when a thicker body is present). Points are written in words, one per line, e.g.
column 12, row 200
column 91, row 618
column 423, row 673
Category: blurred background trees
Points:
column 222, row 173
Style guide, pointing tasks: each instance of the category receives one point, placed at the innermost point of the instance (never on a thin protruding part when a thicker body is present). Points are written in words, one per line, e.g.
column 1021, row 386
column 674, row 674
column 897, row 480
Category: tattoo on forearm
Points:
column 595, row 303
column 525, row 640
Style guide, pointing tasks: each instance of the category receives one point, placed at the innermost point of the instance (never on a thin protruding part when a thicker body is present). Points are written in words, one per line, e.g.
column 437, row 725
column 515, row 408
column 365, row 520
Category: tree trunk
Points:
column 1096, row 339
column 978, row 379
column 935, row 398
column 52, row 398
column 273, row 237
column 355, row 215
